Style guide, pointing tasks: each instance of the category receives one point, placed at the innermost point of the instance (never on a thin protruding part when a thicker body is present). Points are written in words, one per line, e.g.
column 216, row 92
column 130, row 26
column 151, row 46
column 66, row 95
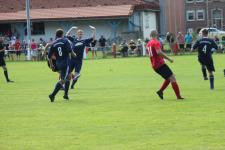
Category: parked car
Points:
column 213, row 32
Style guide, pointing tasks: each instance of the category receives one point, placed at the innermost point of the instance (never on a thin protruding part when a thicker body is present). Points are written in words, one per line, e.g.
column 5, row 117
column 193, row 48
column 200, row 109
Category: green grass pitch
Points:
column 114, row 107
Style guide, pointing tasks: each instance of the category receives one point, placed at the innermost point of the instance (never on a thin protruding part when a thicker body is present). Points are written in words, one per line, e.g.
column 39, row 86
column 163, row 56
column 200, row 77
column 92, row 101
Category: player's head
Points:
column 154, row 34
column 80, row 34
column 59, row 33
column 205, row 32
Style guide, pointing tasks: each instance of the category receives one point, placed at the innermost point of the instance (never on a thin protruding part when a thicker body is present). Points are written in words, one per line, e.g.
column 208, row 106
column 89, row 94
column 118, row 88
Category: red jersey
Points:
column 17, row 45
column 153, row 46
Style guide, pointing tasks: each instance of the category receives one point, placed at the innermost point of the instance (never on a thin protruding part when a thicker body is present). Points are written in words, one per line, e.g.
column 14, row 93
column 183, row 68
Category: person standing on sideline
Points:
column 94, row 49
column 2, row 60
column 188, row 41
column 158, row 64
column 102, row 44
column 34, row 50
column 180, row 42
column 18, row 48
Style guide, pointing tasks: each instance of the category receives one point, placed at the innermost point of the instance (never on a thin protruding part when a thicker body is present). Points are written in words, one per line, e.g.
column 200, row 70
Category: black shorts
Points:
column 181, row 46
column 164, row 71
column 188, row 46
column 208, row 63
column 2, row 62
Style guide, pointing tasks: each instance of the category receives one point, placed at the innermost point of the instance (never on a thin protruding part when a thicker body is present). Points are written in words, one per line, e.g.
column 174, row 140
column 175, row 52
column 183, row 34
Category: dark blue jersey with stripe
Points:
column 61, row 48
column 205, row 47
column 79, row 46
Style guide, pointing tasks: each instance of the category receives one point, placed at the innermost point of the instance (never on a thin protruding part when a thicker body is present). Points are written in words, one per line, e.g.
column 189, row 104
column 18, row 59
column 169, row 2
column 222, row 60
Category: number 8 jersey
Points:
column 205, row 47
column 153, row 46
column 61, row 48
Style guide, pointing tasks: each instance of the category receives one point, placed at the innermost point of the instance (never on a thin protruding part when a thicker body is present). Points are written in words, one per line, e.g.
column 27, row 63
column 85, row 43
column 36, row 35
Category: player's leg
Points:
column 211, row 79
column 58, row 86
column 175, row 86
column 5, row 71
column 67, row 83
column 78, row 67
column 204, row 72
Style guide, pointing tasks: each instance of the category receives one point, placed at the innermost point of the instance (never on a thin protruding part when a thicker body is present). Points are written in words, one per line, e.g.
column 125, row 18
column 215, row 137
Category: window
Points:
column 189, row 1
column 38, row 28
column 200, row 14
column 190, row 15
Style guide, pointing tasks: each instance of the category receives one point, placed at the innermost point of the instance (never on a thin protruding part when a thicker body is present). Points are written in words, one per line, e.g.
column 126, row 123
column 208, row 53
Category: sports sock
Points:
column 58, row 86
column 74, row 82
column 164, row 85
column 6, row 75
column 204, row 72
column 176, row 89
column 67, row 85
column 211, row 81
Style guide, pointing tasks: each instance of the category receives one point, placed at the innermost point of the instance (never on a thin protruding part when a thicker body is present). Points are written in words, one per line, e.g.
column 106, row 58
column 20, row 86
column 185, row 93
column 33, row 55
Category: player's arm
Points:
column 93, row 32
column 70, row 30
column 50, row 57
column 195, row 46
column 69, row 48
column 163, row 55
column 46, row 47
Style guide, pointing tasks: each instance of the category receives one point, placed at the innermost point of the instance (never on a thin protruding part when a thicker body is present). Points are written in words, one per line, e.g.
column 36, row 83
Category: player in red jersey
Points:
column 158, row 64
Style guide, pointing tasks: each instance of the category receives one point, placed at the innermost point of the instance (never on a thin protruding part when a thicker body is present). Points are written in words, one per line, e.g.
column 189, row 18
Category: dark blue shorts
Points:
column 64, row 69
column 75, row 65
column 208, row 62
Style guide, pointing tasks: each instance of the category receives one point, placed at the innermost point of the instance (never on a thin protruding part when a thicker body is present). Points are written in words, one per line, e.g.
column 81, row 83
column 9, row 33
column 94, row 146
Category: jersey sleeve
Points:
column 195, row 46
column 70, row 38
column 68, row 46
column 51, row 51
column 214, row 45
column 88, row 41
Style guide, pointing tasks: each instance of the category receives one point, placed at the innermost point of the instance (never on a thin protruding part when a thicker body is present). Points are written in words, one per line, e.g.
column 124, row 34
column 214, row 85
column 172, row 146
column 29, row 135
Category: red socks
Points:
column 165, row 84
column 176, row 89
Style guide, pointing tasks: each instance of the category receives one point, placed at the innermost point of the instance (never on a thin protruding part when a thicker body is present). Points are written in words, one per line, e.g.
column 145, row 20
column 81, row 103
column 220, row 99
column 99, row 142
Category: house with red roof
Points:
column 112, row 18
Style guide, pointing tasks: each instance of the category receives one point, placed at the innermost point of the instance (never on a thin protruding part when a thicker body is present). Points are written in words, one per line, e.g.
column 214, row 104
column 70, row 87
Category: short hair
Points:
column 205, row 32
column 80, row 31
column 153, row 33
column 59, row 33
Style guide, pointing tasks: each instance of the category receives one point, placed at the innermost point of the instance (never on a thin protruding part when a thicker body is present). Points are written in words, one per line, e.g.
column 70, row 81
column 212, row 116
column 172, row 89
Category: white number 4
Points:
column 204, row 49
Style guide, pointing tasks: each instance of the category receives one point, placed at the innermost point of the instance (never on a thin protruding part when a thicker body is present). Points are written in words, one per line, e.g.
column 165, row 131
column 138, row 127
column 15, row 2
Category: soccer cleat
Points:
column 180, row 98
column 9, row 81
column 72, row 87
column 160, row 94
column 66, row 97
column 76, row 76
column 206, row 78
column 52, row 98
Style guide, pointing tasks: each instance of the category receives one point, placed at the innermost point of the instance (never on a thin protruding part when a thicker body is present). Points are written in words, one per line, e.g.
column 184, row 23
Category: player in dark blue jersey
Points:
column 2, row 60
column 205, row 47
column 61, row 49
column 79, row 45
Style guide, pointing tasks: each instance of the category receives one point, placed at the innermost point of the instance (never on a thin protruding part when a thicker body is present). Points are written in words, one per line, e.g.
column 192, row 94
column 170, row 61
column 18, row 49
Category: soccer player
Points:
column 157, row 59
column 205, row 47
column 62, row 50
column 2, row 61
column 79, row 45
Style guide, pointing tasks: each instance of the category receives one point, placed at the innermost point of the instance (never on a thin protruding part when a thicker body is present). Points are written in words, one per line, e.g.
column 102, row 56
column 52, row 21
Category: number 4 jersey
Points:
column 205, row 47
column 153, row 46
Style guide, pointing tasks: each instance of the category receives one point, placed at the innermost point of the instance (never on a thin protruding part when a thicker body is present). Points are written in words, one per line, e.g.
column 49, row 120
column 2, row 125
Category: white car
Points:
column 212, row 32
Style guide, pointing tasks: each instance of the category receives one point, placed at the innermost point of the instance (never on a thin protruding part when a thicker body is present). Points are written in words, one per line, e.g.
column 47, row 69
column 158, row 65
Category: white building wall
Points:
column 149, row 23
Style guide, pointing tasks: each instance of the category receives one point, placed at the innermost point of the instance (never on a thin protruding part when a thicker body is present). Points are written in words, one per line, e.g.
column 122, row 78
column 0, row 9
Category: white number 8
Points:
column 60, row 51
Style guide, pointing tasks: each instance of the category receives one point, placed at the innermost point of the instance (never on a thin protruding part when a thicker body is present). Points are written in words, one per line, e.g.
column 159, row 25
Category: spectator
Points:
column 132, row 46
column 42, row 41
column 114, row 50
column 170, row 39
column 139, row 47
column 34, row 50
column 18, row 48
column 12, row 48
column 188, row 41
column 94, row 49
column 124, row 49
column 180, row 42
column 223, row 43
column 102, row 43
